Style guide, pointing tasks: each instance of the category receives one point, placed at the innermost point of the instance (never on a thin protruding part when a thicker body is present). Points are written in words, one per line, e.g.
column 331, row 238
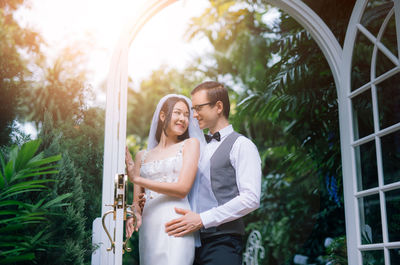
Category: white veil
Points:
column 194, row 131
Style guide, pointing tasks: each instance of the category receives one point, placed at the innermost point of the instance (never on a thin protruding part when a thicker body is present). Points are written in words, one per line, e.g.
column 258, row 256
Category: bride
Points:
column 166, row 172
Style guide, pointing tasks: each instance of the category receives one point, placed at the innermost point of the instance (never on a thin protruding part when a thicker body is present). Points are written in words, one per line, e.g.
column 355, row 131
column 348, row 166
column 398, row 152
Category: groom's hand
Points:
column 186, row 224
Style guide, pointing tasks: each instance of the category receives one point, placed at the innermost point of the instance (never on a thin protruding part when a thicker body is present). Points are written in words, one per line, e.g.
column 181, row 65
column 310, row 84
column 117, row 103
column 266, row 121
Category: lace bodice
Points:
column 164, row 170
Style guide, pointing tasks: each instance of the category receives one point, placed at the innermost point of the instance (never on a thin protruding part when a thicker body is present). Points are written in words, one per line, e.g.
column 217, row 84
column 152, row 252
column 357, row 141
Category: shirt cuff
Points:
column 207, row 219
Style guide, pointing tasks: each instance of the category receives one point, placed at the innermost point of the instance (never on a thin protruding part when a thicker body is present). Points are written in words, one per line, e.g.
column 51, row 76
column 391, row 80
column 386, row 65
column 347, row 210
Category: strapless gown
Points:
column 155, row 246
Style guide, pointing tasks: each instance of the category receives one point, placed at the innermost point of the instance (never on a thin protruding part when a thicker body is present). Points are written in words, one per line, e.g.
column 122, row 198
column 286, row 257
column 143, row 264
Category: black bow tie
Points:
column 215, row 136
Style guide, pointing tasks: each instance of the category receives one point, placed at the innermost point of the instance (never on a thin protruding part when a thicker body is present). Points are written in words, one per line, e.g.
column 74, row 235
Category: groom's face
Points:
column 204, row 110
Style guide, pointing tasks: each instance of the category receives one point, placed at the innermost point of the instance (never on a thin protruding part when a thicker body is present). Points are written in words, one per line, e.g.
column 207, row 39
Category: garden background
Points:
column 283, row 98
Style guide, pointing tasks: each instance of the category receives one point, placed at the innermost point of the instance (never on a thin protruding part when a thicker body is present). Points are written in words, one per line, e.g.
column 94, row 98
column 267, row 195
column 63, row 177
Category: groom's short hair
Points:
column 215, row 92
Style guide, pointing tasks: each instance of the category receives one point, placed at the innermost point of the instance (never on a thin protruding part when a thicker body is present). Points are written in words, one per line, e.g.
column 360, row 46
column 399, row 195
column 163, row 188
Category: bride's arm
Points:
column 137, row 190
column 134, row 170
column 181, row 188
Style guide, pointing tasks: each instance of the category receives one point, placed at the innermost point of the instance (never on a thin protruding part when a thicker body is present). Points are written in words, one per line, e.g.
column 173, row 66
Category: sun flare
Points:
column 98, row 25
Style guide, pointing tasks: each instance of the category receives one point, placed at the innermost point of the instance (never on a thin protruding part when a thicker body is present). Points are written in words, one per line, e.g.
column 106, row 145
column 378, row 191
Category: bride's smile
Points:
column 179, row 119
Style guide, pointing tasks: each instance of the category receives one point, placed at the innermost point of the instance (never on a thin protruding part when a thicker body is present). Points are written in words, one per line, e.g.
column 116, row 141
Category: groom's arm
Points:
column 247, row 163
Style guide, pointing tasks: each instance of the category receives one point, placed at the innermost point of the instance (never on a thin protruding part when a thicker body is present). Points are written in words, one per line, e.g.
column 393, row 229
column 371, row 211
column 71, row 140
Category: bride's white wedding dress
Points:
column 155, row 246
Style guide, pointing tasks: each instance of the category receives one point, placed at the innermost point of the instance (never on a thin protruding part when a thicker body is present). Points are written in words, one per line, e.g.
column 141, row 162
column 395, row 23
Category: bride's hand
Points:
column 129, row 226
column 129, row 163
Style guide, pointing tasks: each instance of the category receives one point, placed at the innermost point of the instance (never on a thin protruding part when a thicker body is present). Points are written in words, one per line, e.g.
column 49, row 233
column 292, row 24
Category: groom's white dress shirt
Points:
column 246, row 161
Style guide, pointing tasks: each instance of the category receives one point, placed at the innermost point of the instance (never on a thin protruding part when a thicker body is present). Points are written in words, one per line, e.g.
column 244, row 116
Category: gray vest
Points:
column 224, row 186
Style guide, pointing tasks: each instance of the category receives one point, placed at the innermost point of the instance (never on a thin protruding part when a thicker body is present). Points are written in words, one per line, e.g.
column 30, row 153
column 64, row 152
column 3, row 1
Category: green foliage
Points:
column 284, row 221
column 62, row 91
column 26, row 203
column 67, row 225
column 77, row 132
column 337, row 251
column 13, row 66
column 81, row 144
column 84, row 143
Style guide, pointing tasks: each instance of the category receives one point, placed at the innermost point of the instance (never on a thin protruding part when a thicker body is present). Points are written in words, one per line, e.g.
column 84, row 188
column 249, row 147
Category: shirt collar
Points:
column 226, row 131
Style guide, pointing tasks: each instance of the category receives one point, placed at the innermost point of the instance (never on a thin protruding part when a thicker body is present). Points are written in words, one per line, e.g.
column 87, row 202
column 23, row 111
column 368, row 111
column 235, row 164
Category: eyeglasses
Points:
column 198, row 108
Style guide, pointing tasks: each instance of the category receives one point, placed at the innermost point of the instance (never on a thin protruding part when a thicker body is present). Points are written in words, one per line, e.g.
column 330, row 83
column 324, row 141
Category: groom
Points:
column 229, row 186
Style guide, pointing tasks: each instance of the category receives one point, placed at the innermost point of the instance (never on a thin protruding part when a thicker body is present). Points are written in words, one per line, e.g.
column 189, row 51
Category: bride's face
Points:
column 179, row 119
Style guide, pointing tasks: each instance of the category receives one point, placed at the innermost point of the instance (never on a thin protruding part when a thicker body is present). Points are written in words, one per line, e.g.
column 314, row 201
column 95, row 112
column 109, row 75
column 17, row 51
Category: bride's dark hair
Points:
column 167, row 108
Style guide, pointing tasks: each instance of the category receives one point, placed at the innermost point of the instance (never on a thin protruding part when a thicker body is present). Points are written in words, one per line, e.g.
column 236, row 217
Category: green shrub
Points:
column 25, row 202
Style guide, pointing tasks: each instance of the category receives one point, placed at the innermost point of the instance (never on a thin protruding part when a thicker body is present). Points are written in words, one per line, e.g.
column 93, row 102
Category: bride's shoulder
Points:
column 140, row 155
column 191, row 144
column 192, row 141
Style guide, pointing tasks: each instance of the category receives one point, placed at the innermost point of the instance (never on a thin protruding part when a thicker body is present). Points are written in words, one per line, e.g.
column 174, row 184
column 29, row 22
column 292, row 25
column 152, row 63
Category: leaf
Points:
column 24, row 219
column 57, row 200
column 10, row 228
column 37, row 174
column 9, row 212
column 36, row 163
column 8, row 171
column 24, row 187
column 11, row 202
column 38, row 205
column 2, row 181
column 26, row 153
column 13, row 154
column 24, row 257
column 22, row 191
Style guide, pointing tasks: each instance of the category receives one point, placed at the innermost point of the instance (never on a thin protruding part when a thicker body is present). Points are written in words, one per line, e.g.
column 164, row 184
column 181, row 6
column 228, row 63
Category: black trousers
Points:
column 220, row 250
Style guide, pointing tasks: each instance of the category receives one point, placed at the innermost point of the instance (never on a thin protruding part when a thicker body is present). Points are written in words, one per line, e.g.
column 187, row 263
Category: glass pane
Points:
column 394, row 256
column 391, row 157
column 367, row 171
column 383, row 64
column 370, row 220
column 389, row 101
column 373, row 257
column 363, row 122
column 374, row 15
column 389, row 36
column 393, row 214
column 361, row 64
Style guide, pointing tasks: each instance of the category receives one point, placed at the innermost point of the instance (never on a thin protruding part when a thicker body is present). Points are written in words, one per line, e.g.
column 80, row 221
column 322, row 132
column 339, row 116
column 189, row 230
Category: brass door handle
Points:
column 120, row 192
column 126, row 248
column 119, row 203
column 108, row 233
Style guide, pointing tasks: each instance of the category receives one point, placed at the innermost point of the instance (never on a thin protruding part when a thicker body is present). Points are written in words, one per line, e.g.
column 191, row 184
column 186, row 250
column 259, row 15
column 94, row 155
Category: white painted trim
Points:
column 347, row 134
column 385, row 188
column 375, row 81
column 378, row 39
column 379, row 246
column 397, row 18
column 381, row 47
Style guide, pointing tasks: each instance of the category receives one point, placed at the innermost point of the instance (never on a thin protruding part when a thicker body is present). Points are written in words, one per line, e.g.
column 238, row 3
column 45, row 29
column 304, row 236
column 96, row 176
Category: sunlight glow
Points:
column 96, row 26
